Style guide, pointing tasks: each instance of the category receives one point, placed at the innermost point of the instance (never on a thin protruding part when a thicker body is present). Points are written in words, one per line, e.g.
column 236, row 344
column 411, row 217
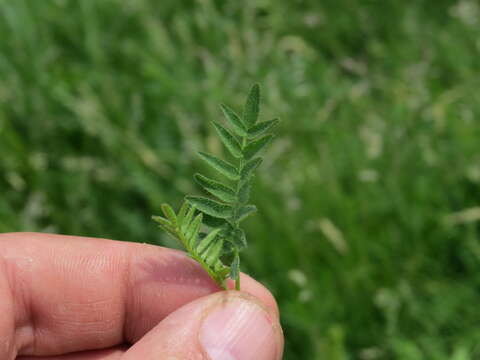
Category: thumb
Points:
column 227, row 325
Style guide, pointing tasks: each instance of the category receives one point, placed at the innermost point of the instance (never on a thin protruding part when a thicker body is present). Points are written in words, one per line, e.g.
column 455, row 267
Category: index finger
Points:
column 68, row 293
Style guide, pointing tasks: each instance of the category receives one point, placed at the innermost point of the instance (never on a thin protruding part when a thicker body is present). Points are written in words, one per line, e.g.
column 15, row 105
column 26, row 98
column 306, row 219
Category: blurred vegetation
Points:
column 369, row 198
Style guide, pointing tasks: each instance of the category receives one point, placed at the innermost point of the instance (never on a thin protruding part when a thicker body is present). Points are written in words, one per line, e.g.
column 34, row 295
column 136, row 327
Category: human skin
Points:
column 78, row 298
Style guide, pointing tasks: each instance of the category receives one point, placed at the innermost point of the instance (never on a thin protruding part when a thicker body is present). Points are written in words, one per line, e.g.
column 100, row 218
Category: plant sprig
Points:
column 222, row 215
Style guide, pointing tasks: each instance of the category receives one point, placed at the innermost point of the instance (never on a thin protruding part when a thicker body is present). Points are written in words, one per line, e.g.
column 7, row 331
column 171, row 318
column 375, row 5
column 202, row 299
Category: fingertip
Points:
column 225, row 325
column 240, row 326
column 258, row 290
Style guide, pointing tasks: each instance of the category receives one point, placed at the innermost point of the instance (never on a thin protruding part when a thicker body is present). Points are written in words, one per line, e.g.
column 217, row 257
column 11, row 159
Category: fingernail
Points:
column 238, row 330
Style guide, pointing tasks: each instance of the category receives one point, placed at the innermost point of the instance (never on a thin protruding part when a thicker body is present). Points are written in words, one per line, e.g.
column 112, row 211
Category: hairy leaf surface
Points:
column 210, row 207
column 246, row 211
column 244, row 193
column 169, row 213
column 192, row 229
column 251, row 110
column 249, row 167
column 234, row 120
column 221, row 191
column 213, row 251
column 255, row 146
column 223, row 167
column 188, row 218
column 261, row 128
column 207, row 240
column 229, row 140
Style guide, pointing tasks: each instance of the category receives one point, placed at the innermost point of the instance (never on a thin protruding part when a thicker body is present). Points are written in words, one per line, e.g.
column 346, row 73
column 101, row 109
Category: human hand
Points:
column 76, row 298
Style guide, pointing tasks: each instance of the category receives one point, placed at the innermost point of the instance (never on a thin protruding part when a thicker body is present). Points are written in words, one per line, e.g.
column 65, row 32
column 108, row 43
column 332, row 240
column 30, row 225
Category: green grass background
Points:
column 369, row 197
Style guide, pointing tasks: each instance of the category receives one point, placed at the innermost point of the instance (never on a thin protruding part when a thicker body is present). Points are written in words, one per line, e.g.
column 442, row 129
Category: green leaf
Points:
column 213, row 222
column 228, row 247
column 239, row 239
column 161, row 220
column 229, row 140
column 182, row 212
column 192, row 230
column 205, row 243
column 255, row 146
column 249, row 167
column 261, row 128
column 252, row 105
column 244, row 193
column 246, row 211
column 169, row 230
column 165, row 225
column 210, row 207
column 216, row 188
column 220, row 165
column 187, row 219
column 221, row 269
column 235, row 267
column 234, row 120
column 213, row 252
column 170, row 214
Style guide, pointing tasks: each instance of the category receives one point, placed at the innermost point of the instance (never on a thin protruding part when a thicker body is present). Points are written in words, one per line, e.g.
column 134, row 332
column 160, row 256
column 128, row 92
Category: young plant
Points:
column 209, row 229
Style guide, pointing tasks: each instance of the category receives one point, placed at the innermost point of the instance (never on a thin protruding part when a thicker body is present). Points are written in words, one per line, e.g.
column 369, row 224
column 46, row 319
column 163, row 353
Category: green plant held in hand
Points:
column 209, row 229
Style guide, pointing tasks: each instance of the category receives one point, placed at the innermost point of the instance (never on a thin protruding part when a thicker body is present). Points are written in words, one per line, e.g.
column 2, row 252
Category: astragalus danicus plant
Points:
column 209, row 227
